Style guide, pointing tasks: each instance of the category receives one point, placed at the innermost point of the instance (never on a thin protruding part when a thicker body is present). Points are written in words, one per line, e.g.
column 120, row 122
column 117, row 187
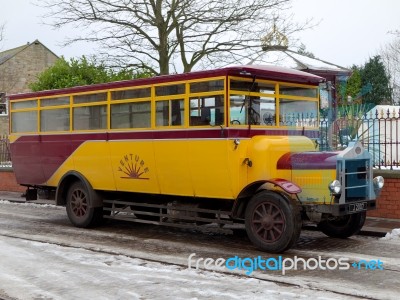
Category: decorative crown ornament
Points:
column 275, row 40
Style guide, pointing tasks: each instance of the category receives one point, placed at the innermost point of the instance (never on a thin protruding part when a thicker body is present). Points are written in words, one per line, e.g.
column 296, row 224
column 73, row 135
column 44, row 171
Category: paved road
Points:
column 47, row 223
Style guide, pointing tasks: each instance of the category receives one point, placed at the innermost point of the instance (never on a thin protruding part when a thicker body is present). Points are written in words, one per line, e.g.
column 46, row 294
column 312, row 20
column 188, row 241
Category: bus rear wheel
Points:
column 343, row 227
column 79, row 210
column 273, row 224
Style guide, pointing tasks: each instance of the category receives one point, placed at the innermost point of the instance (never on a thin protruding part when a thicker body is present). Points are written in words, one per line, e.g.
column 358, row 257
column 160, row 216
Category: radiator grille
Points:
column 356, row 177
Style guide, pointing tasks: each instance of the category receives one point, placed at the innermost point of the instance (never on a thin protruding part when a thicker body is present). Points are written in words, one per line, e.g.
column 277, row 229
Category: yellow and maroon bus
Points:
column 203, row 150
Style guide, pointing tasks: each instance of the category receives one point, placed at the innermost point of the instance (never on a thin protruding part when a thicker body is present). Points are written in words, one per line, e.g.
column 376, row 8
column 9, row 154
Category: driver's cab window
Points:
column 252, row 103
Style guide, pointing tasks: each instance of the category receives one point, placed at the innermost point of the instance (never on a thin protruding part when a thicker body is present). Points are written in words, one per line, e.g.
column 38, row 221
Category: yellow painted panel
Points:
column 134, row 166
column 265, row 151
column 314, row 184
column 209, row 168
column 173, row 167
column 92, row 159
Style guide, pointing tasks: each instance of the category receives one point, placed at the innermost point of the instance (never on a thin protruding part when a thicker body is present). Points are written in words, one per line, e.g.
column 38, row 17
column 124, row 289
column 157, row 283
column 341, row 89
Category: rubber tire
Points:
column 291, row 214
column 92, row 216
column 343, row 227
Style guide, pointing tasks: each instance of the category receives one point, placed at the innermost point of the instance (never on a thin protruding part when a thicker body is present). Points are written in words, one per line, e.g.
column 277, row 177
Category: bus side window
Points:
column 131, row 115
column 206, row 111
column 169, row 113
column 90, row 117
column 177, row 116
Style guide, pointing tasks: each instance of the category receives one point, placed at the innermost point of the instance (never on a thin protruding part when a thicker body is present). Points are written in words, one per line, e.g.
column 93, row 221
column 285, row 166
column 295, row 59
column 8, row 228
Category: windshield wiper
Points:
column 251, row 89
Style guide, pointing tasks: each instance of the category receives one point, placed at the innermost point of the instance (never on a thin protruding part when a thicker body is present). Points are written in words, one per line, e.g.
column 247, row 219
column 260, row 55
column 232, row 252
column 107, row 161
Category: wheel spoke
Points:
column 277, row 230
column 276, row 214
column 264, row 210
column 270, row 209
column 260, row 229
column 272, row 235
column 258, row 213
column 265, row 235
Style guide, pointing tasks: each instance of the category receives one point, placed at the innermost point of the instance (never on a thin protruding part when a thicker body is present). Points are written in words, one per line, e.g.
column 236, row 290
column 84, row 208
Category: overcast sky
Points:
column 349, row 31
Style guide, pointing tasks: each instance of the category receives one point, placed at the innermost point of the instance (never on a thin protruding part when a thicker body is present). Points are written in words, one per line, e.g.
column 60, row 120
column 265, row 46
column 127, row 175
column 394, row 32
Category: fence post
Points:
column 5, row 155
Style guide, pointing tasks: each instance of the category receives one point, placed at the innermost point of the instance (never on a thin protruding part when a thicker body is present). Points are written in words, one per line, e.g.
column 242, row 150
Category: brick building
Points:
column 18, row 68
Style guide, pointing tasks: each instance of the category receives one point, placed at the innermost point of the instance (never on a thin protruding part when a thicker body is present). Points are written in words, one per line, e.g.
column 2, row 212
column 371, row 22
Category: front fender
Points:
column 286, row 185
column 253, row 188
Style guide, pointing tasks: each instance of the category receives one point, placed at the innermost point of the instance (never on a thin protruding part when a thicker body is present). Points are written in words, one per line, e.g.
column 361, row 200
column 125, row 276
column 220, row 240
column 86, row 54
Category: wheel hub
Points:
column 78, row 203
column 267, row 222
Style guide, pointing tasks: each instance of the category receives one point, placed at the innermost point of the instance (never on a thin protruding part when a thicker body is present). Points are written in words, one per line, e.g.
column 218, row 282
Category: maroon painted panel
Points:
column 55, row 152
column 26, row 156
column 36, row 158
column 307, row 161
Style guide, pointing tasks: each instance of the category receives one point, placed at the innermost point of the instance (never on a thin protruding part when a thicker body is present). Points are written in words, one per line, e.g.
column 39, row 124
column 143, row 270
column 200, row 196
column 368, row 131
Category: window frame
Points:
column 278, row 97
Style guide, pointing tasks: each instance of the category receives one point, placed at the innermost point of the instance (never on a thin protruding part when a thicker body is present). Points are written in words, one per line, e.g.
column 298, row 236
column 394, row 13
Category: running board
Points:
column 166, row 215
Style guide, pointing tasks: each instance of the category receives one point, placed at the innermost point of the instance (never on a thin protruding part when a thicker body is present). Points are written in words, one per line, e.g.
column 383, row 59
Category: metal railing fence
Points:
column 378, row 130
column 5, row 156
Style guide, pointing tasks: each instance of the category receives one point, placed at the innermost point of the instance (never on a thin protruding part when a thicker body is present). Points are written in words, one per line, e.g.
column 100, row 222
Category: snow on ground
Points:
column 35, row 270
column 393, row 235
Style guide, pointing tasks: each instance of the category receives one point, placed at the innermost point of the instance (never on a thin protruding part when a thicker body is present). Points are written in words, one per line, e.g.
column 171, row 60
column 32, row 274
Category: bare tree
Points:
column 1, row 32
column 390, row 54
column 164, row 35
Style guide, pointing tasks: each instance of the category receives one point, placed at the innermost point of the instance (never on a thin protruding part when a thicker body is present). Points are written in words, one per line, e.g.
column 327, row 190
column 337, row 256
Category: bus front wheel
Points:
column 273, row 224
column 79, row 210
column 343, row 227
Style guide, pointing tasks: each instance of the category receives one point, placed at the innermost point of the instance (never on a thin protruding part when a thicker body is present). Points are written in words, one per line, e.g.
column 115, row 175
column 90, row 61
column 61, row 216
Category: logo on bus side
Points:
column 133, row 167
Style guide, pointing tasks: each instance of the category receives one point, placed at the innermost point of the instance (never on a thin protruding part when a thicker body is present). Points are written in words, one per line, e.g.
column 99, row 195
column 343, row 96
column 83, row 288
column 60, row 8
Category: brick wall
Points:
column 388, row 204
column 8, row 182
column 3, row 125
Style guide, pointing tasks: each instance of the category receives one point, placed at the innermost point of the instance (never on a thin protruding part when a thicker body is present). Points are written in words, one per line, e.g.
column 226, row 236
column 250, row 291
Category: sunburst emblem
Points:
column 133, row 167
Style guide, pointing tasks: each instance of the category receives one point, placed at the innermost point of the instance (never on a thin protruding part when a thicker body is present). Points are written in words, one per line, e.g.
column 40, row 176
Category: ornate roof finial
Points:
column 274, row 40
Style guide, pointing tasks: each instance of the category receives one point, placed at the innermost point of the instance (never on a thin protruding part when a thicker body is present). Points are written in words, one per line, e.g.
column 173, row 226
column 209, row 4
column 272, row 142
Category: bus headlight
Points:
column 335, row 187
column 379, row 182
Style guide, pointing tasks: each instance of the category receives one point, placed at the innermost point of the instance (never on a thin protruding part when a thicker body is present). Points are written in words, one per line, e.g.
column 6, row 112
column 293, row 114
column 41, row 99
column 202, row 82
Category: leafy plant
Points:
column 81, row 71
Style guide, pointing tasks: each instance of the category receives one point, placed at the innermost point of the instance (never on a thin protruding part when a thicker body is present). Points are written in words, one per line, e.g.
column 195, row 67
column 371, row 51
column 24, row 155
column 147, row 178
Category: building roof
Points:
column 275, row 52
column 291, row 59
column 8, row 54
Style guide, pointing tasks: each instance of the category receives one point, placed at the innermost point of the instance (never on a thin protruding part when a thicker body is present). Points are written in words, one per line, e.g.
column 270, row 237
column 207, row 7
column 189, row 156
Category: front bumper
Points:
column 341, row 209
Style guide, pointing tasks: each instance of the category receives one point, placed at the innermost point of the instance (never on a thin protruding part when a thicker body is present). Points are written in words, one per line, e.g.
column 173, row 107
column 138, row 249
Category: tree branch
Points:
column 158, row 32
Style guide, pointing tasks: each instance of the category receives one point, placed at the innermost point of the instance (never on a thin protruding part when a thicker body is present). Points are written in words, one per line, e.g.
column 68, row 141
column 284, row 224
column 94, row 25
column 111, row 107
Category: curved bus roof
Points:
column 260, row 71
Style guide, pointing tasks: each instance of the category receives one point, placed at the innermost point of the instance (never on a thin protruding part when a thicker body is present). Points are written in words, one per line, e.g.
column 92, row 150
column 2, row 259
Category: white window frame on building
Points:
column 3, row 105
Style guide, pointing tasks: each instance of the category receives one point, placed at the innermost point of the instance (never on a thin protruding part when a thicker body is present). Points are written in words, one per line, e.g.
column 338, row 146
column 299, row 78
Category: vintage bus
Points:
column 205, row 150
